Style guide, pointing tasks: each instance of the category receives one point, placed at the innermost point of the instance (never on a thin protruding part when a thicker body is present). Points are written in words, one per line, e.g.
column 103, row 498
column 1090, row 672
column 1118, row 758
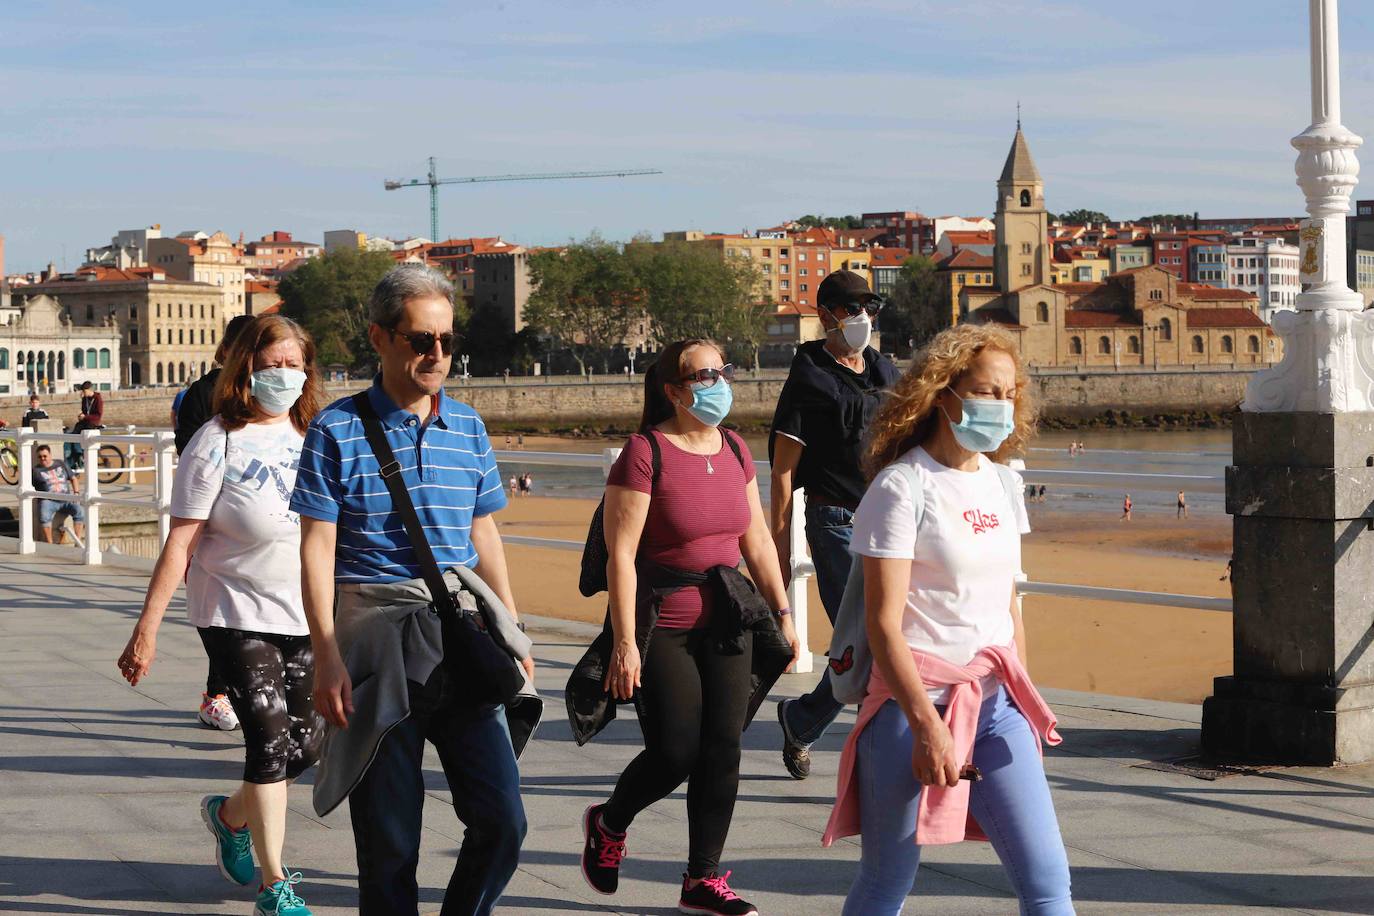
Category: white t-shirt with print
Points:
column 246, row 572
column 964, row 558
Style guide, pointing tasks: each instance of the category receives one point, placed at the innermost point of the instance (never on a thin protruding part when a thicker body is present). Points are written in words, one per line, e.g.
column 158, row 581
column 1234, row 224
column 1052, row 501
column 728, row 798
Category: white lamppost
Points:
column 1328, row 355
column 465, row 359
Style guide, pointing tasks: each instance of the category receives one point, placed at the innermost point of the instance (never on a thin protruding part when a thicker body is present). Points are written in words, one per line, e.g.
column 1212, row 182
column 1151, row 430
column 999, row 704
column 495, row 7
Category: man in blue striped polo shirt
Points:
column 354, row 547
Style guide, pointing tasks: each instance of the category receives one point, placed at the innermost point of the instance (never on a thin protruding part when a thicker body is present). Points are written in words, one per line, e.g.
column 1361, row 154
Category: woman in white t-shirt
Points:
column 232, row 524
column 947, row 743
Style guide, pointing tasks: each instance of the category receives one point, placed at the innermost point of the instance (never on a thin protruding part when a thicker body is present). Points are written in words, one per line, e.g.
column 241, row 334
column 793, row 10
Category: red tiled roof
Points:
column 1084, row 318
column 1224, row 318
column 888, row 257
column 966, row 237
column 967, row 259
column 260, row 286
column 996, row 316
column 1079, row 288
column 1207, row 293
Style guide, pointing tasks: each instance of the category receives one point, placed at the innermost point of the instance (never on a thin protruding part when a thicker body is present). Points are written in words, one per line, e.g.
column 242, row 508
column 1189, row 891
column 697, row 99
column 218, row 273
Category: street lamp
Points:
column 465, row 359
column 633, row 352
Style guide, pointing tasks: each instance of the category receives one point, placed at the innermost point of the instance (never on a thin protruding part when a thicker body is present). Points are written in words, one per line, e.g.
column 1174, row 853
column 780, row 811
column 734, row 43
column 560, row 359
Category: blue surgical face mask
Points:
column 277, row 390
column 986, row 423
column 711, row 405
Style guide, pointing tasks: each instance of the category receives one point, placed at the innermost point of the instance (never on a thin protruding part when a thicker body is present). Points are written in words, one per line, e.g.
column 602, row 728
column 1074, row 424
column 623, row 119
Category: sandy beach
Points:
column 1106, row 647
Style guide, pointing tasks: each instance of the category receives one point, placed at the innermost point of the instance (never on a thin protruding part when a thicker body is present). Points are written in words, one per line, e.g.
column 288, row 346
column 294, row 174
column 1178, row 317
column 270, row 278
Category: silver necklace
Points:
column 709, row 469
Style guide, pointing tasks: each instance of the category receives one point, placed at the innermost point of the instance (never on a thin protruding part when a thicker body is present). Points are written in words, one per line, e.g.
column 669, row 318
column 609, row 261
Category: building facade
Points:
column 43, row 352
column 200, row 258
column 1267, row 268
column 275, row 251
column 169, row 328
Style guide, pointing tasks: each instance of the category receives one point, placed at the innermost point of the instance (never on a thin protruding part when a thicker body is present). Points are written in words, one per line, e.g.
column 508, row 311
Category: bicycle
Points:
column 9, row 461
column 110, row 461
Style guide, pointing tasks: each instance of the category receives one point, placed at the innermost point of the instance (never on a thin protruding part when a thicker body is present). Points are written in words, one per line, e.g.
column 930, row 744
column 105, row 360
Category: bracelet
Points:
column 783, row 612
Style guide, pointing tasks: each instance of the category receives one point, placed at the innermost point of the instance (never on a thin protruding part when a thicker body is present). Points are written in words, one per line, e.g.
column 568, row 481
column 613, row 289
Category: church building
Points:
column 1141, row 317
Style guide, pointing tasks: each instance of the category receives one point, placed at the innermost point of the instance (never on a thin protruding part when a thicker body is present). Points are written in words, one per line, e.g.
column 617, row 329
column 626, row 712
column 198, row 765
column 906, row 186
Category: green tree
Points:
column 1169, row 219
column 810, row 221
column 1080, row 217
column 688, row 290
column 328, row 296
column 916, row 310
column 585, row 297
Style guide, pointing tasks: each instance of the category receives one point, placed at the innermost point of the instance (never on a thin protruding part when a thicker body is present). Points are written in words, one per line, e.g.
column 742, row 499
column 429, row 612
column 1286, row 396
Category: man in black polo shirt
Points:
column 816, row 444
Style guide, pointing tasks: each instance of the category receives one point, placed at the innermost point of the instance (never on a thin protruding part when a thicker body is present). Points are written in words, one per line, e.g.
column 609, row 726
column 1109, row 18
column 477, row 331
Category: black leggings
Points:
column 694, row 702
column 268, row 679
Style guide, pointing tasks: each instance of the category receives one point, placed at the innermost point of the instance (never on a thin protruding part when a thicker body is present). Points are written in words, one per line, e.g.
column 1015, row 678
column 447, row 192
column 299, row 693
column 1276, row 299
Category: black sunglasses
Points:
column 422, row 342
column 708, row 376
column 872, row 307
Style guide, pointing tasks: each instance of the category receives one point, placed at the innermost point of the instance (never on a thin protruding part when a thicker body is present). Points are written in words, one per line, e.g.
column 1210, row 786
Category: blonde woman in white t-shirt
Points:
column 237, row 543
column 947, row 746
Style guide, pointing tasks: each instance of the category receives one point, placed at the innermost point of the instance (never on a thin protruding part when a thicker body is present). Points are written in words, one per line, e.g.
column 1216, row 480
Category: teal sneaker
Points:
column 280, row 899
column 233, row 848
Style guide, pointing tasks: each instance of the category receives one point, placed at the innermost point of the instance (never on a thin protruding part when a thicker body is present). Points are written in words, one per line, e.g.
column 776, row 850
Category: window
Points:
column 158, row 336
column 90, row 312
column 767, row 252
column 1156, row 294
column 212, row 337
column 1166, row 329
column 801, row 255
column 804, row 288
column 802, row 272
column 90, row 358
column 157, row 309
column 783, row 252
column 1042, row 312
column 104, row 358
column 77, row 361
column 181, row 336
column 179, row 315
column 1104, row 345
column 1227, row 346
column 133, row 312
column 1025, row 270
column 784, row 284
column 1197, row 343
column 1252, row 344
column 202, row 310
column 1025, row 198
column 1025, row 247
column 1076, row 346
column 960, row 278
column 159, row 373
column 135, row 373
column 1132, row 344
column 4, row 358
column 784, row 268
column 202, row 336
column 133, row 337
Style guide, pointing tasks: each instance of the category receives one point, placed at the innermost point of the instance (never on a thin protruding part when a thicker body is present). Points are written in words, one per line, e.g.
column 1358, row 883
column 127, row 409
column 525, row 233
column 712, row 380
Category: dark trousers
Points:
column 474, row 748
column 694, row 702
column 829, row 530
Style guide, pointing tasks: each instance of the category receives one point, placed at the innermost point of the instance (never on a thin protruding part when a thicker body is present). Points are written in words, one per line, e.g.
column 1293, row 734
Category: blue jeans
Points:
column 828, row 532
column 475, row 750
column 1012, row 804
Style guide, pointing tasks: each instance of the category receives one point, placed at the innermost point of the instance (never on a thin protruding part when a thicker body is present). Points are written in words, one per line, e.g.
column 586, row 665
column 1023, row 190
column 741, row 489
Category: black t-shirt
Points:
column 827, row 407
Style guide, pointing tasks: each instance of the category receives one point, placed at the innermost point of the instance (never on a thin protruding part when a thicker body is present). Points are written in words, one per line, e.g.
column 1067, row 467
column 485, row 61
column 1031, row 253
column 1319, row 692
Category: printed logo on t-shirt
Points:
column 981, row 521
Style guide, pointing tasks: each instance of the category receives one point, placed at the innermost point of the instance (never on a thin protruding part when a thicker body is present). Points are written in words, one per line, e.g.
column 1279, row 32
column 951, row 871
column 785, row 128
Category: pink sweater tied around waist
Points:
column 943, row 815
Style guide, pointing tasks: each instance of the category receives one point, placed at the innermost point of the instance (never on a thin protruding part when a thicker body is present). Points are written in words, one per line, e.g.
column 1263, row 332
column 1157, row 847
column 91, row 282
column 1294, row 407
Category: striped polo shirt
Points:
column 448, row 468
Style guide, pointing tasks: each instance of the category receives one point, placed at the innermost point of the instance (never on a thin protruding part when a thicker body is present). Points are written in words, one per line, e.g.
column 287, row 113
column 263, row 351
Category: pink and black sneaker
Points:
column 713, row 897
column 602, row 852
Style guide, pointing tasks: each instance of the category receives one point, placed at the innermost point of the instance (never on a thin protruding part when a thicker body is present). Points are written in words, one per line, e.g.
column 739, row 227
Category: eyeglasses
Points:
column 422, row 342
column 707, row 377
column 872, row 307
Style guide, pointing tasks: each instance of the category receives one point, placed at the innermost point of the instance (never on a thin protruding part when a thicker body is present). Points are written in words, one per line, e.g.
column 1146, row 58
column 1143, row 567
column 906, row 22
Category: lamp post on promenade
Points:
column 1301, row 490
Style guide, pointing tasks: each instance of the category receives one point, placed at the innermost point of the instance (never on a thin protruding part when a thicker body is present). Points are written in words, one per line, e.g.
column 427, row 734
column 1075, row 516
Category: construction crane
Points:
column 433, row 181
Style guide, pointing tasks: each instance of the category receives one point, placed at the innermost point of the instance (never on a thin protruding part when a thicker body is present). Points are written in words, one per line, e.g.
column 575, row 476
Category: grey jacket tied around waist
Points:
column 389, row 633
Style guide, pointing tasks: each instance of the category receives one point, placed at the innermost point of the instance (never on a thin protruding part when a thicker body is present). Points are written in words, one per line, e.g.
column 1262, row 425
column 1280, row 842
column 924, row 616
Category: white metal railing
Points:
column 803, row 568
column 90, row 499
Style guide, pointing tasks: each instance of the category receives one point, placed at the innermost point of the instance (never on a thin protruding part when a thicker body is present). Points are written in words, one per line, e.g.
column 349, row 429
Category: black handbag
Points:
column 486, row 672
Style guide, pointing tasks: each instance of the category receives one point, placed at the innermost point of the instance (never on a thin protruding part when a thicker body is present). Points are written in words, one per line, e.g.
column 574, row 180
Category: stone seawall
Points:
column 558, row 403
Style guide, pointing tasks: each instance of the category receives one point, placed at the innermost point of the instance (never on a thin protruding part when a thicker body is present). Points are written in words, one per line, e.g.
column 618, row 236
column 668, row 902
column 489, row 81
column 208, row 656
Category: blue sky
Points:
column 289, row 116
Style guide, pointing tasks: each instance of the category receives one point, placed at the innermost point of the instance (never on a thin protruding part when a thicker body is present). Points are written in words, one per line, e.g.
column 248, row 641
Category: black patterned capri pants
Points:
column 269, row 679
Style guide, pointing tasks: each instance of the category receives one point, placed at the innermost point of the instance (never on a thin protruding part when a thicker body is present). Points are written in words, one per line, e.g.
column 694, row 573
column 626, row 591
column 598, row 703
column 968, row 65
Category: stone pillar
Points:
column 1301, row 490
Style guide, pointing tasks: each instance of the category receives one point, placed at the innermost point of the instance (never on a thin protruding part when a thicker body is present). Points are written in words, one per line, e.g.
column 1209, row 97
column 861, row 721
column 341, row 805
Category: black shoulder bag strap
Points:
column 390, row 469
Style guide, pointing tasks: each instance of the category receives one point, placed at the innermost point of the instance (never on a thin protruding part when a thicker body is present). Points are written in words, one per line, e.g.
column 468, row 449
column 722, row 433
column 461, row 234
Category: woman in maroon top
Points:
column 703, row 511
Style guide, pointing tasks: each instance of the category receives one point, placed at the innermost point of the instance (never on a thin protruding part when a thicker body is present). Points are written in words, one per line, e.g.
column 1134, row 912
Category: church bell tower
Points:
column 1022, row 256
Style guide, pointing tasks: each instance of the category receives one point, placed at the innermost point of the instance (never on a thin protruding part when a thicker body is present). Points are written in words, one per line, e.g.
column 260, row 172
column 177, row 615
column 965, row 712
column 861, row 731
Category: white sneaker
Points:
column 215, row 712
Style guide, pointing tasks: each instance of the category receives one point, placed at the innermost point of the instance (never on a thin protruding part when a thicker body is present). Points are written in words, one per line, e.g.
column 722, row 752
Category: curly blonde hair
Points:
column 908, row 415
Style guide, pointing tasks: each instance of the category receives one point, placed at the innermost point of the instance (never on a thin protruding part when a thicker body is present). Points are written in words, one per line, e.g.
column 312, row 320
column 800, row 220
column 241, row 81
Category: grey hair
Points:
column 400, row 285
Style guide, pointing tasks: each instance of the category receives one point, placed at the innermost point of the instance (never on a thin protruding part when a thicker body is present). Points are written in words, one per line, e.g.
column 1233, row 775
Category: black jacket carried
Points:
column 196, row 408
column 737, row 607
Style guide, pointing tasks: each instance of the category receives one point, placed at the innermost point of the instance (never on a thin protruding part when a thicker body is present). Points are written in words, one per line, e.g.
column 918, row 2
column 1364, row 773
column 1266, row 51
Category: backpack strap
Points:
column 731, row 441
column 655, row 457
column 1014, row 488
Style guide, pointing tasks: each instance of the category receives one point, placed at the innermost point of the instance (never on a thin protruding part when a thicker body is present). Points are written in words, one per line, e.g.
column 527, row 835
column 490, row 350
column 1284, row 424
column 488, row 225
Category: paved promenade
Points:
column 101, row 784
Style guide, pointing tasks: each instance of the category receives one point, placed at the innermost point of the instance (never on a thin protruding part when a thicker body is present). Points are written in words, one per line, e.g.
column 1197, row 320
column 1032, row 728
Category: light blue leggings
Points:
column 1012, row 804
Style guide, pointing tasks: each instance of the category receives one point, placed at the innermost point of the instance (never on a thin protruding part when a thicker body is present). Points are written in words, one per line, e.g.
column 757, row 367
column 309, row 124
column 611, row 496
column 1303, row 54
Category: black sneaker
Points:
column 713, row 897
column 795, row 755
column 602, row 852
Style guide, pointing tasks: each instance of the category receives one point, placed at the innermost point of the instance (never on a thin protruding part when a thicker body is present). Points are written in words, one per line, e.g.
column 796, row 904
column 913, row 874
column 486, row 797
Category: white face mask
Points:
column 855, row 332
